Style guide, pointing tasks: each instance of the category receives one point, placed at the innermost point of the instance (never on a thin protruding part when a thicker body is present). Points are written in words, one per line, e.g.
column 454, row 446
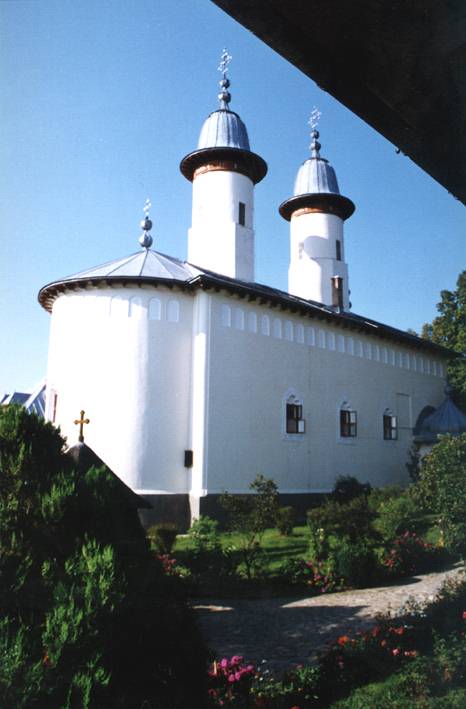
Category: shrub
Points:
column 163, row 536
column 355, row 564
column 230, row 680
column 250, row 516
column 397, row 514
column 441, row 489
column 409, row 554
column 89, row 618
column 318, row 576
column 285, row 520
column 204, row 534
column 352, row 520
column 347, row 487
column 380, row 495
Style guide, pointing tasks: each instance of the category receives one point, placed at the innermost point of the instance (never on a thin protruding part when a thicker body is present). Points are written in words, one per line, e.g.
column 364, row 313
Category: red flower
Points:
column 343, row 639
column 464, row 615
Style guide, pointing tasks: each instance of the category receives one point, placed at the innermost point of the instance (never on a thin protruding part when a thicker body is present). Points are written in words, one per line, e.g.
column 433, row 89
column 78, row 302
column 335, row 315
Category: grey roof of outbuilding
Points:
column 223, row 129
column 446, row 419
column 148, row 267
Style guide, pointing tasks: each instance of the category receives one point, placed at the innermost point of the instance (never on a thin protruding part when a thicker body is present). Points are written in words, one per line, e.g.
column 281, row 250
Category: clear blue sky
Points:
column 100, row 102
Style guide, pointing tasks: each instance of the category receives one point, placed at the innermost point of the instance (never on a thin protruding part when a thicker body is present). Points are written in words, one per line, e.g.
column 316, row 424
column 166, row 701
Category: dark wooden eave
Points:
column 265, row 295
column 400, row 65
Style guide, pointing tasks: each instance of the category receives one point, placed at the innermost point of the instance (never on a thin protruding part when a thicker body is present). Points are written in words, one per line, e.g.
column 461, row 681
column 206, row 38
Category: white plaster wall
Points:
column 216, row 241
column 251, row 374
column 124, row 356
column 313, row 260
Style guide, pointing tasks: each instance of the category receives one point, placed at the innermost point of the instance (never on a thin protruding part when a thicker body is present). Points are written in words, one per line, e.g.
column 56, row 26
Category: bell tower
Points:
column 223, row 171
column 316, row 213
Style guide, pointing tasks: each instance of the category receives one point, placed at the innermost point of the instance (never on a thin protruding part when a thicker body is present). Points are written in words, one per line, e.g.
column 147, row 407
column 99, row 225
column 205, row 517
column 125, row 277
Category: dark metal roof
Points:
column 446, row 419
column 400, row 66
column 190, row 278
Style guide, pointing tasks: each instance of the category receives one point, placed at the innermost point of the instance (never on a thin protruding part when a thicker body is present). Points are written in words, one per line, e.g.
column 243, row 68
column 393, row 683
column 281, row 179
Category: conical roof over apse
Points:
column 446, row 419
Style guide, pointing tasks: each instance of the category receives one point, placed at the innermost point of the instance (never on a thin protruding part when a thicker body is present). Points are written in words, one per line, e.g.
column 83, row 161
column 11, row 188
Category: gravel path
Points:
column 286, row 631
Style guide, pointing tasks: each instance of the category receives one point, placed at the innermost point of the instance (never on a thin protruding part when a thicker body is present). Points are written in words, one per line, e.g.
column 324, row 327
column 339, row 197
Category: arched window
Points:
column 252, row 322
column 225, row 315
column 348, row 421
column 390, row 426
column 136, row 310
column 265, row 325
column 173, row 311
column 277, row 327
column 294, row 415
column 155, row 309
column 300, row 334
column 288, row 330
column 239, row 318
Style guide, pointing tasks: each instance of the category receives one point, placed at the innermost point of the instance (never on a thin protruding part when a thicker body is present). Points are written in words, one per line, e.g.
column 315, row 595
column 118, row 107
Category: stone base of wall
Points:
column 182, row 509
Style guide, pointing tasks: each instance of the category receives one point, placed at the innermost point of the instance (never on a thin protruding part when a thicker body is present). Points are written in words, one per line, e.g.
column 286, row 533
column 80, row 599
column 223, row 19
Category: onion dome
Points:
column 316, row 186
column 223, row 141
column 446, row 419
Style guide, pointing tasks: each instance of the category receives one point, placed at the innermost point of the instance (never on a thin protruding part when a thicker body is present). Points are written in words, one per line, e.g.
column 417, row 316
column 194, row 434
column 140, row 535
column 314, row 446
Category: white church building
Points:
column 195, row 378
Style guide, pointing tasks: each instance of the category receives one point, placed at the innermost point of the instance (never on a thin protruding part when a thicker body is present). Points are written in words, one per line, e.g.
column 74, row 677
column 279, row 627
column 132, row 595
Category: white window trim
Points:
column 292, row 397
column 346, row 405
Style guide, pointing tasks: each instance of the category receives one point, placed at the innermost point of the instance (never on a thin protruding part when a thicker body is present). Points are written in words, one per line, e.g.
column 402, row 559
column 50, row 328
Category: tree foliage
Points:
column 87, row 616
column 449, row 329
column 441, row 488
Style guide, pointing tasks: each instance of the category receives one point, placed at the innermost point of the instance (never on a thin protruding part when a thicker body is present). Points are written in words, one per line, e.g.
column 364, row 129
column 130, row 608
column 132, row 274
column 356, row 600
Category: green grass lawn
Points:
column 277, row 548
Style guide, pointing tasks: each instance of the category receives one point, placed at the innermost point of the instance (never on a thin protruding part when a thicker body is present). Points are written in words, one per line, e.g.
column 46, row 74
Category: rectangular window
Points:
column 338, row 248
column 294, row 418
column 390, row 428
column 337, row 292
column 241, row 213
column 348, row 424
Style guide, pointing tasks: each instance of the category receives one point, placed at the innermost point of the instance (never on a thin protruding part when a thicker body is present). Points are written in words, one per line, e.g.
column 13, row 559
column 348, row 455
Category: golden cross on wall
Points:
column 81, row 423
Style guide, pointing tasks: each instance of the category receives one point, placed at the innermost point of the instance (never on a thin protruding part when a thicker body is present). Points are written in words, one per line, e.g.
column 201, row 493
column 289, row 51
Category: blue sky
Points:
column 101, row 100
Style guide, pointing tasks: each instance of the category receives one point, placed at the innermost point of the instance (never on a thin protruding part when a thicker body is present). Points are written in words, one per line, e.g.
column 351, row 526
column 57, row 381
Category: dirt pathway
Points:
column 287, row 631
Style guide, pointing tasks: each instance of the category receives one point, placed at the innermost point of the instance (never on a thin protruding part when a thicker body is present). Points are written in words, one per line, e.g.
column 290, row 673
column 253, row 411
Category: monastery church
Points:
column 221, row 378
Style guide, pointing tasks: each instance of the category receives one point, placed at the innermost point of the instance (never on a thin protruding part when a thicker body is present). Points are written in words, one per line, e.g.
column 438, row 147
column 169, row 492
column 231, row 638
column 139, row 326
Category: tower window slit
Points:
column 338, row 250
column 337, row 292
column 242, row 213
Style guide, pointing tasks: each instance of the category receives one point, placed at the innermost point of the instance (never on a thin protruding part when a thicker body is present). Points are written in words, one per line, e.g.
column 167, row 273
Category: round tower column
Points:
column 316, row 213
column 223, row 171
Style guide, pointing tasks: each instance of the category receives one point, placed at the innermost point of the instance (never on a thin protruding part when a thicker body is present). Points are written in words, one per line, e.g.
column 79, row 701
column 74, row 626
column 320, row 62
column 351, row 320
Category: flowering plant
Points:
column 318, row 575
column 230, row 680
column 407, row 555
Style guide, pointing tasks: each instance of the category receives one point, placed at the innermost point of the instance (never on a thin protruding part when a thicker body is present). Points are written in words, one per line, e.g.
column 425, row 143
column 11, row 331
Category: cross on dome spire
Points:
column 224, row 96
column 313, row 122
column 146, row 225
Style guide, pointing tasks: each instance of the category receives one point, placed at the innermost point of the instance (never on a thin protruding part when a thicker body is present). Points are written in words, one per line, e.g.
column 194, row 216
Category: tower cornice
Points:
column 324, row 202
column 223, row 158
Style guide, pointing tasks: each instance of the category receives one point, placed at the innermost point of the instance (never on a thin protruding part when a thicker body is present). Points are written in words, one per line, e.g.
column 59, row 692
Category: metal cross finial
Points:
column 225, row 59
column 224, row 96
column 313, row 122
column 147, row 207
column 314, row 118
column 81, row 421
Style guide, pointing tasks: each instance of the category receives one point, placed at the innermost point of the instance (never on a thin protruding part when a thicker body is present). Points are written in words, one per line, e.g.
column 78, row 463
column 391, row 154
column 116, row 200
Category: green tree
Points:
column 441, row 489
column 250, row 516
column 88, row 617
column 449, row 329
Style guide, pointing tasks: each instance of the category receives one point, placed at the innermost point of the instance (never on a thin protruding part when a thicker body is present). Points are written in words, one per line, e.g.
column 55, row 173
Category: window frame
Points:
column 389, row 426
column 294, row 423
column 348, row 423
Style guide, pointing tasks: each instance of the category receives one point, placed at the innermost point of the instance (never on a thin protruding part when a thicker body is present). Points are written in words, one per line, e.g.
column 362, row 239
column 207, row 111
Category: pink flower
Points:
column 224, row 663
column 231, row 678
column 396, row 651
column 236, row 659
